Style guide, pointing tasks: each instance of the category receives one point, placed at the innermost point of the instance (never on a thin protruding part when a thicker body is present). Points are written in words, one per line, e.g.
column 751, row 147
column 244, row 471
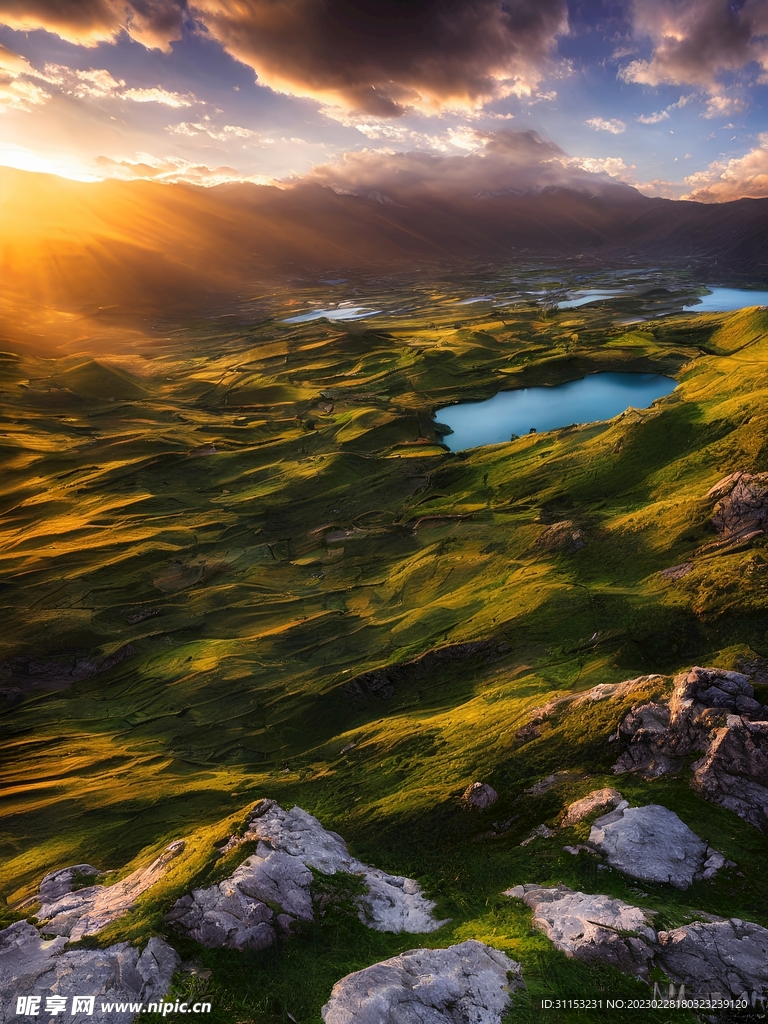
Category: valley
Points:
column 241, row 563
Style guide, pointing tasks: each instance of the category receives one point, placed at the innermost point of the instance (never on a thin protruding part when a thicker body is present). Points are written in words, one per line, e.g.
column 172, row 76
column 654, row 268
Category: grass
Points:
column 266, row 512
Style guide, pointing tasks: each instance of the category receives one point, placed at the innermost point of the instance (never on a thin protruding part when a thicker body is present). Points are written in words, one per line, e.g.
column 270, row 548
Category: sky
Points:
column 670, row 96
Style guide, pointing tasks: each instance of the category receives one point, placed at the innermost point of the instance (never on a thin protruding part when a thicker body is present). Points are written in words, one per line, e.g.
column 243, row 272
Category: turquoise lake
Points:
column 599, row 396
column 722, row 300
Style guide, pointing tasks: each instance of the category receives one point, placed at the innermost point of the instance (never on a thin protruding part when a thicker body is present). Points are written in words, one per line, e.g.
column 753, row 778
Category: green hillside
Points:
column 204, row 551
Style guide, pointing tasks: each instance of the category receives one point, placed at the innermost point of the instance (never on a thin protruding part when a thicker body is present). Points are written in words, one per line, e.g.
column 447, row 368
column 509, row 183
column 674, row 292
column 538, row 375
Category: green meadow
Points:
column 248, row 519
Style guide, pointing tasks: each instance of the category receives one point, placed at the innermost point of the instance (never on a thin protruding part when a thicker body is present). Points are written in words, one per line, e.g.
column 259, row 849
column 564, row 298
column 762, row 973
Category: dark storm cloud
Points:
column 155, row 23
column 384, row 56
column 380, row 57
column 503, row 162
column 696, row 41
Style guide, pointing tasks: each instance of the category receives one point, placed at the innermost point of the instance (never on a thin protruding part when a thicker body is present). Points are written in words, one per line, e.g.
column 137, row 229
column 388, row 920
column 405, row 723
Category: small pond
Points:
column 344, row 311
column 721, row 300
column 599, row 396
column 593, row 295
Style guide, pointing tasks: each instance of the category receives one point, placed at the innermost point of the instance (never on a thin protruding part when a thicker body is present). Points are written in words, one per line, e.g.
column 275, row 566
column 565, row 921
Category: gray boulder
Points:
column 479, row 795
column 88, row 910
column 470, row 983
column 715, row 958
column 594, row 801
column 235, row 913
column 653, row 844
column 562, row 536
column 591, row 927
column 728, row 957
column 225, row 917
column 60, row 883
column 33, row 966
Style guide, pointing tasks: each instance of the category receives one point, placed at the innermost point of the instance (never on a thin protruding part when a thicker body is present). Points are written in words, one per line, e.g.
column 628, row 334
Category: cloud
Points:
column 154, row 23
column 159, row 95
column 720, row 106
column 599, row 124
column 696, row 42
column 739, row 178
column 497, row 163
column 97, row 83
column 226, row 134
column 173, row 169
column 663, row 115
column 660, row 115
column 382, row 57
column 613, row 166
column 17, row 92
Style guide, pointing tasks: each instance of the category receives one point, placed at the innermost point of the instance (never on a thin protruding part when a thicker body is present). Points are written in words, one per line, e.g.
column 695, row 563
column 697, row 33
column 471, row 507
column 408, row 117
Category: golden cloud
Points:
column 154, row 23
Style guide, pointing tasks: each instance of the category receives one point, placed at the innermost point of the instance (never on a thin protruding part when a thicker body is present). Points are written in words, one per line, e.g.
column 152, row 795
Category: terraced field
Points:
column 244, row 565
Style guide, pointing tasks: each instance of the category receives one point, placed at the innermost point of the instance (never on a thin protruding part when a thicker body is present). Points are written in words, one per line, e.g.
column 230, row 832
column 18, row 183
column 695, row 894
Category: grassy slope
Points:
column 235, row 691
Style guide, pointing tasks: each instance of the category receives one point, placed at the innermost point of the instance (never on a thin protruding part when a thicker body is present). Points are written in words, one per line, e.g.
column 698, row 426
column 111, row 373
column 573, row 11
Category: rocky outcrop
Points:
column 479, row 795
column 33, row 966
column 594, row 801
column 653, row 844
column 237, row 914
column 713, row 958
column 591, row 927
column 383, row 683
column 225, row 916
column 729, row 957
column 712, row 712
column 742, row 509
column 603, row 691
column 470, row 983
column 34, row 673
column 563, row 536
column 86, row 911
column 734, row 770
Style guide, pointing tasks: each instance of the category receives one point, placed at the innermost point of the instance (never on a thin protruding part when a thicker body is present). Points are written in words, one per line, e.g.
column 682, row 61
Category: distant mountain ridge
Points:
column 145, row 247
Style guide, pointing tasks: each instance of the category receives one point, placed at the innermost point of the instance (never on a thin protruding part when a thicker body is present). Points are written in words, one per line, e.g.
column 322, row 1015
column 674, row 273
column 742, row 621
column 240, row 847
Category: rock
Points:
column 755, row 667
column 563, row 536
column 728, row 957
column 724, row 486
column 714, row 958
column 383, row 683
column 33, row 966
column 235, row 913
column 734, row 770
column 225, row 917
column 464, row 984
column 88, row 910
column 551, row 781
column 742, row 509
column 594, row 801
column 528, row 732
column 614, row 691
column 603, row 691
column 590, row 927
column 479, row 795
column 712, row 712
column 540, row 832
column 653, row 844
column 60, row 883
column 30, row 673
column 676, row 572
